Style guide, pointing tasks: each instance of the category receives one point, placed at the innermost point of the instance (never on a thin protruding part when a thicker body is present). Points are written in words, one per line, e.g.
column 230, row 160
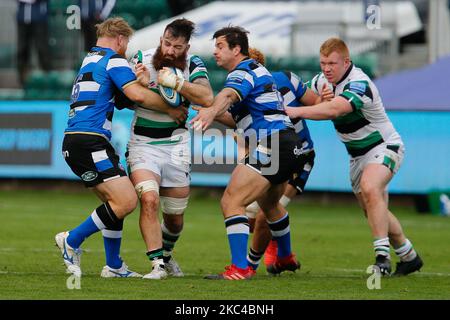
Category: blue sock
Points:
column 80, row 233
column 112, row 241
column 281, row 233
column 237, row 231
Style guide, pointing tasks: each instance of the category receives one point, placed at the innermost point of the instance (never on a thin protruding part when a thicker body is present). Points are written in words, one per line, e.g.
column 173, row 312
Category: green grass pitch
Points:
column 333, row 243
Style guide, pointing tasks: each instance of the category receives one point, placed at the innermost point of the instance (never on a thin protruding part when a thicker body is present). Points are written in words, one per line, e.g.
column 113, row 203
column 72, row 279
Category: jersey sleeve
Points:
column 197, row 69
column 358, row 93
column 240, row 81
column 120, row 71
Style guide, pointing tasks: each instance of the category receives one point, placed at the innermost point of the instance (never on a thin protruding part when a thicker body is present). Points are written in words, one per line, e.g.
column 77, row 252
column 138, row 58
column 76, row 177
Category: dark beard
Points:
column 159, row 61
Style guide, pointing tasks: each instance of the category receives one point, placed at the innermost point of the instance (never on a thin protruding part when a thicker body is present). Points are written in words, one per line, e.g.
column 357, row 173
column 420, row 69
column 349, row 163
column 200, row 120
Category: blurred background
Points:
column 403, row 45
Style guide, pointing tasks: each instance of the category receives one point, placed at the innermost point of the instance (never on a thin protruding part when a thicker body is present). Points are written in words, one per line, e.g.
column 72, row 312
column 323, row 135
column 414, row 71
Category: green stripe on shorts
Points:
column 388, row 162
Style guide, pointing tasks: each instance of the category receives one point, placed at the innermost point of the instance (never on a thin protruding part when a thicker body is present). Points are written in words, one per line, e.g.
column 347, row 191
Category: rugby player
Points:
column 105, row 81
column 375, row 148
column 159, row 148
column 274, row 155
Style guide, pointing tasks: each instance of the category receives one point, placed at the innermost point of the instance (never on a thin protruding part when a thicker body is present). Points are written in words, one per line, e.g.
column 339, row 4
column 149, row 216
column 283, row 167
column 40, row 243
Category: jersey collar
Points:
column 350, row 68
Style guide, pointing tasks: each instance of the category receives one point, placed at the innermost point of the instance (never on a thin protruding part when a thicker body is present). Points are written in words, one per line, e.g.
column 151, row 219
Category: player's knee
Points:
column 173, row 206
column 150, row 202
column 125, row 204
column 174, row 225
column 368, row 190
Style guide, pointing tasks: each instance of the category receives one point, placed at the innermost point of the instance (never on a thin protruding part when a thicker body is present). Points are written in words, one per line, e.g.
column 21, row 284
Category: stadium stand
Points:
column 66, row 51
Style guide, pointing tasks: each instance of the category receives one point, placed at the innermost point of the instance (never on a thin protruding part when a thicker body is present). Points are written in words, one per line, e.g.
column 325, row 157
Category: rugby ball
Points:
column 171, row 96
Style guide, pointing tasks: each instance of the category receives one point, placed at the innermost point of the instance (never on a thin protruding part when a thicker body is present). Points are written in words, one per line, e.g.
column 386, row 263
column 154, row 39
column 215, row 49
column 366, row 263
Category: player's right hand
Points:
column 142, row 74
column 203, row 119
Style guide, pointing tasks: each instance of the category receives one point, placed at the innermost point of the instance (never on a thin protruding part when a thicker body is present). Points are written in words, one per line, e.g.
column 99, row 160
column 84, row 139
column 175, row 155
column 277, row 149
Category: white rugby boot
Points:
column 173, row 269
column 71, row 256
column 158, row 271
column 122, row 272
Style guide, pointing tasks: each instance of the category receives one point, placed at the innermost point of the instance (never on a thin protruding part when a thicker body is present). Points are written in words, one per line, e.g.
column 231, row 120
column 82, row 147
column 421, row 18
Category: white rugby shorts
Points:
column 170, row 162
column 381, row 154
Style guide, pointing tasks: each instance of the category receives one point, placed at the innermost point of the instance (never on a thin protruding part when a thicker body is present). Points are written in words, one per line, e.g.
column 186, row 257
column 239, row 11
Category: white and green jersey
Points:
column 367, row 125
column 157, row 128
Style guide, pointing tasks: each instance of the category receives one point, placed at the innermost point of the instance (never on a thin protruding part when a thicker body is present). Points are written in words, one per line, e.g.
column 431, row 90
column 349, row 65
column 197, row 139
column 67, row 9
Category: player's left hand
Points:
column 169, row 79
column 203, row 119
column 179, row 114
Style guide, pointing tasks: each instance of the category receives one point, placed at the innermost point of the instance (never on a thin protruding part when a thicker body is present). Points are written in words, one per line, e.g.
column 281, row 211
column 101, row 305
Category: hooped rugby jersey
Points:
column 154, row 127
column 102, row 73
column 292, row 89
column 367, row 125
column 260, row 110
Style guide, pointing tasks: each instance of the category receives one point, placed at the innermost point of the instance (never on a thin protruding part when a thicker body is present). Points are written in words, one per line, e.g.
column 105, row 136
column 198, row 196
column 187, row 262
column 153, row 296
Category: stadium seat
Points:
column 36, row 80
column 299, row 63
column 368, row 63
column 54, row 85
column 12, row 94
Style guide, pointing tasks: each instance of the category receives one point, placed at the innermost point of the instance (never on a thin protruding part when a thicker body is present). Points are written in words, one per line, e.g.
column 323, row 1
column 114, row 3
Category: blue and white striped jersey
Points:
column 102, row 74
column 292, row 88
column 260, row 110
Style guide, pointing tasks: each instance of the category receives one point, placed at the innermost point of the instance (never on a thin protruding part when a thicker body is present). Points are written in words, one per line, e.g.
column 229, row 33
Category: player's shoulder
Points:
column 109, row 53
column 359, row 79
column 357, row 74
column 246, row 65
column 147, row 55
column 255, row 69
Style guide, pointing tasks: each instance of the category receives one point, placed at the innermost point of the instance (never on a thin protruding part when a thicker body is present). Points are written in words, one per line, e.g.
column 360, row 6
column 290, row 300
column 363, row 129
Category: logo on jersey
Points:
column 197, row 61
column 358, row 87
column 75, row 93
column 237, row 76
column 89, row 176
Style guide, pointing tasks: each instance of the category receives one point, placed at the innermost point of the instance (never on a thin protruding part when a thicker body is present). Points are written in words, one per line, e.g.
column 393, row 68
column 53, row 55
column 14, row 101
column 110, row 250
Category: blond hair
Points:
column 114, row 27
column 334, row 45
column 257, row 55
